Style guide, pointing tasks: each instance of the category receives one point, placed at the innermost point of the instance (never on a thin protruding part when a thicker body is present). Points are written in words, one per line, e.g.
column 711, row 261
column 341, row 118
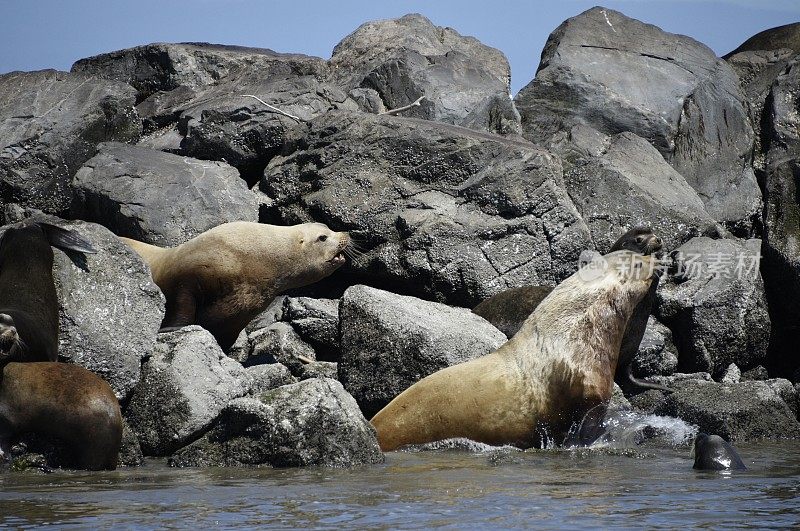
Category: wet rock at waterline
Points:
column 185, row 384
column 310, row 423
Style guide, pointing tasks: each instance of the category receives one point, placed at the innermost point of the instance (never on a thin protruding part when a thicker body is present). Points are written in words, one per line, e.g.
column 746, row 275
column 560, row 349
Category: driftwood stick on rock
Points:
column 273, row 108
column 304, row 359
column 404, row 107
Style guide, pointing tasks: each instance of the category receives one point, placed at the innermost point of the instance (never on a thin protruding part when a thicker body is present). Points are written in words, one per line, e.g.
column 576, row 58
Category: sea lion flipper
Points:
column 644, row 384
column 66, row 239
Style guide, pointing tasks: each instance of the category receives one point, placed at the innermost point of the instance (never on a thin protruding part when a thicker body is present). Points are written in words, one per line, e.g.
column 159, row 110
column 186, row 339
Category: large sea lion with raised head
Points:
column 224, row 277
column 66, row 403
column 510, row 308
column 556, row 369
column 28, row 300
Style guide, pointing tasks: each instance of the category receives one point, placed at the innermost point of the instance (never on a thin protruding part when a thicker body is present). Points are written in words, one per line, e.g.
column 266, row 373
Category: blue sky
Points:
column 40, row 34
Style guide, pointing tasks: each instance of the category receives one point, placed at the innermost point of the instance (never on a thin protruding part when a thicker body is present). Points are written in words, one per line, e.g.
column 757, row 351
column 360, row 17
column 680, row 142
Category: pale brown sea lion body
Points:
column 510, row 308
column 558, row 367
column 65, row 402
column 224, row 277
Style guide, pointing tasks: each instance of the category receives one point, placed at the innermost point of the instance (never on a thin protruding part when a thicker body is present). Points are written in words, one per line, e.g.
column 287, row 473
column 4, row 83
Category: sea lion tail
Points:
column 644, row 384
column 67, row 240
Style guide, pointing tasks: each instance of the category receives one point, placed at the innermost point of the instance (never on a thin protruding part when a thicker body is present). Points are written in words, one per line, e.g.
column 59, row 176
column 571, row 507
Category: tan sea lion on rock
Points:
column 224, row 277
column 558, row 367
column 510, row 308
column 64, row 402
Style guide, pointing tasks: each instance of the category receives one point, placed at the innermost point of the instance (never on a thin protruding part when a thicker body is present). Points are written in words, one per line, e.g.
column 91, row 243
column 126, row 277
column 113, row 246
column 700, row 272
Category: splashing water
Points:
column 627, row 429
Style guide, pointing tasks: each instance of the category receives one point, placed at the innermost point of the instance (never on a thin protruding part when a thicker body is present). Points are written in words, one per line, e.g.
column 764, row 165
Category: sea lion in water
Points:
column 558, row 367
column 508, row 309
column 226, row 276
column 65, row 402
column 28, row 300
column 712, row 452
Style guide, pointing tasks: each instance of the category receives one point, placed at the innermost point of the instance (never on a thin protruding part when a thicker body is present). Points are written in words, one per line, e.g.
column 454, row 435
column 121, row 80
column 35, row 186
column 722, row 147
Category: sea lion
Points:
column 508, row 309
column 224, row 277
column 28, row 300
column 712, row 452
column 555, row 370
column 67, row 403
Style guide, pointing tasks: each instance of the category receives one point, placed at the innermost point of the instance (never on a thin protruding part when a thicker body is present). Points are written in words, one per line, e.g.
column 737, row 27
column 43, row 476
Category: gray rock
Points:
column 759, row 372
column 781, row 263
column 157, row 197
column 656, row 354
column 320, row 369
column 626, row 183
column 316, row 321
column 389, row 342
column 736, row 412
column 50, row 123
column 784, row 389
column 110, row 309
column 222, row 123
column 269, row 376
column 280, row 343
column 442, row 212
column 731, row 375
column 184, row 386
column 781, row 37
column 311, row 423
column 617, row 74
column 618, row 400
column 130, row 451
column 715, row 305
column 164, row 66
column 464, row 82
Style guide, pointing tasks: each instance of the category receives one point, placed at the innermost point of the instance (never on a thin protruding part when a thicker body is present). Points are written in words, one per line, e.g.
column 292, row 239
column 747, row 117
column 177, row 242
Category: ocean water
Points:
column 617, row 483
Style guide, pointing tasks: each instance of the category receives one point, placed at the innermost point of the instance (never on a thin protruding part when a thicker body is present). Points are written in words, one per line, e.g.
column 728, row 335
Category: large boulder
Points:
column 781, row 268
column 50, row 123
column 165, row 66
column 235, row 120
column 110, row 309
column 621, row 182
column 738, row 412
column 785, row 37
column 310, row 423
column 617, row 74
column 715, row 305
column 442, row 211
column 463, row 81
column 157, row 197
column 389, row 342
column 657, row 354
column 185, row 384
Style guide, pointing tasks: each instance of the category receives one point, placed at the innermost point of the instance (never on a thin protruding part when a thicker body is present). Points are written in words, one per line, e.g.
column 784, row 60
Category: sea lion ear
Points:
column 67, row 240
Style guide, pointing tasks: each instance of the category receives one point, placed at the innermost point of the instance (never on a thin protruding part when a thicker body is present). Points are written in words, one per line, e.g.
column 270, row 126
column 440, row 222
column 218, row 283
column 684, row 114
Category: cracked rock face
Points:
column 442, row 212
column 310, row 423
column 389, row 342
column 464, row 81
column 159, row 198
column 617, row 74
column 50, row 124
column 715, row 306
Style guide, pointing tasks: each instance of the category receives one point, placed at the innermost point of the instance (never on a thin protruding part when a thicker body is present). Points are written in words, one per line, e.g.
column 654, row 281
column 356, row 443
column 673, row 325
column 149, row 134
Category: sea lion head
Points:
column 324, row 249
column 639, row 240
column 10, row 342
column 712, row 452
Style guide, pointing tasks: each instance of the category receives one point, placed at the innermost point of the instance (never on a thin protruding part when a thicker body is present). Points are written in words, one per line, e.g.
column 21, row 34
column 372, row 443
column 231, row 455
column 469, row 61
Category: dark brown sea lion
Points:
column 508, row 309
column 712, row 452
column 226, row 276
column 556, row 369
column 64, row 402
column 28, row 301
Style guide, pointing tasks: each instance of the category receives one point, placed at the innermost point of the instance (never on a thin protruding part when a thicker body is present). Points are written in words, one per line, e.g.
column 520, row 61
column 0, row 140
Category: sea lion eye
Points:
column 322, row 237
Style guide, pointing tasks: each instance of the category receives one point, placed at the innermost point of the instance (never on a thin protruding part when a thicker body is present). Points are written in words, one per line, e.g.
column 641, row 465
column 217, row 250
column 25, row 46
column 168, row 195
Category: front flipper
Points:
column 644, row 384
column 67, row 240
column 590, row 428
column 181, row 309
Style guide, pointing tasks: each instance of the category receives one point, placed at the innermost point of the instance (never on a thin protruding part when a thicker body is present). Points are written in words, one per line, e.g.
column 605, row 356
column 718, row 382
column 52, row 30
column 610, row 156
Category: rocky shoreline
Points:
column 462, row 196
